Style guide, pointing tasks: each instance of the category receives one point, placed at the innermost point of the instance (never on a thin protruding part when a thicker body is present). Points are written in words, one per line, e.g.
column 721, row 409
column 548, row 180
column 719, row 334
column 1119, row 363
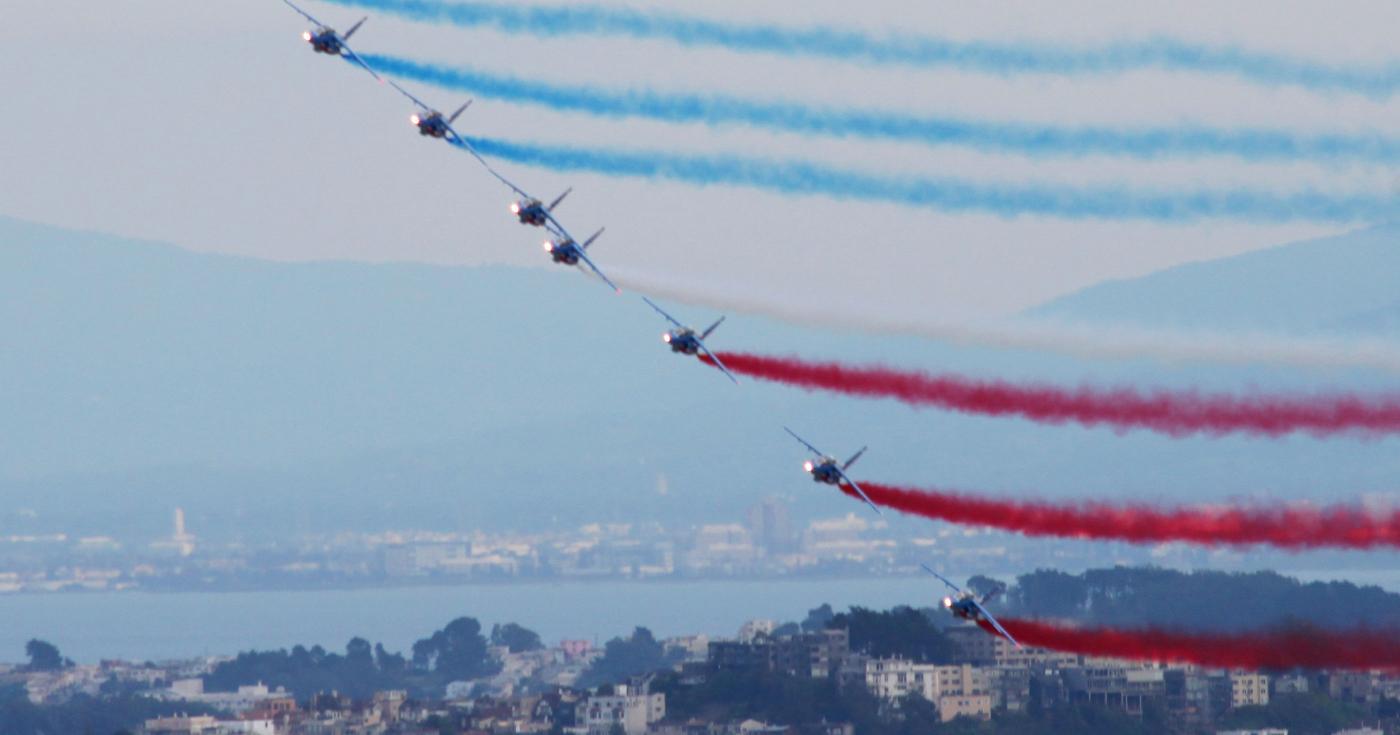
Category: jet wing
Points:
column 304, row 14
column 461, row 141
column 717, row 362
column 350, row 54
column 995, row 624
column 942, row 578
column 662, row 312
column 549, row 217
column 860, row 492
column 584, row 257
column 814, row 450
column 421, row 104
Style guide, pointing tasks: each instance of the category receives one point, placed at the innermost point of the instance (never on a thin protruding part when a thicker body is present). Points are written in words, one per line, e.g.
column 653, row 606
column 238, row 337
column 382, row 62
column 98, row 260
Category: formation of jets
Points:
column 564, row 249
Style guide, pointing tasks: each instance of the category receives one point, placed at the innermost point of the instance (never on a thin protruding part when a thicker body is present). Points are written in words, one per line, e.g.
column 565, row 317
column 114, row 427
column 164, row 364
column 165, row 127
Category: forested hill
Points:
column 1134, row 596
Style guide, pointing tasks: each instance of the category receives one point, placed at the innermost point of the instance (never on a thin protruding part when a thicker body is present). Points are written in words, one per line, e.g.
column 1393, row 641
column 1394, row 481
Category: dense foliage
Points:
column 306, row 671
column 1300, row 714
column 902, row 632
column 806, row 703
column 82, row 714
column 455, row 653
column 44, row 656
column 1137, row 596
column 639, row 653
column 728, row 696
column 516, row 638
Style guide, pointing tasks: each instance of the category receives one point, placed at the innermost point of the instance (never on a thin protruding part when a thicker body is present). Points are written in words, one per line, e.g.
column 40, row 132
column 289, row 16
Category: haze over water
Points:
column 141, row 626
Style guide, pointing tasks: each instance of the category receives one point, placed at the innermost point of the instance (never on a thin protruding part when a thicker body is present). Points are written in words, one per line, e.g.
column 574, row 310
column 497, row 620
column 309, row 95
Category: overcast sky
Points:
column 211, row 125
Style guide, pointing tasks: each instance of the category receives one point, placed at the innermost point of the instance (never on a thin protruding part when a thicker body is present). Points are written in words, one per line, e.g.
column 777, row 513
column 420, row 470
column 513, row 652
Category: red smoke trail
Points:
column 1282, row 648
column 1171, row 412
column 1295, row 527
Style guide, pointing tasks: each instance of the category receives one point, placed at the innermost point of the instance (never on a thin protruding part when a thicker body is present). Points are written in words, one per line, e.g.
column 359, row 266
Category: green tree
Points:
column 457, row 652
column 916, row 715
column 817, row 618
column 389, row 662
column 786, row 630
column 903, row 632
column 516, row 638
column 986, row 587
column 637, row 654
column 1300, row 714
column 359, row 653
column 44, row 656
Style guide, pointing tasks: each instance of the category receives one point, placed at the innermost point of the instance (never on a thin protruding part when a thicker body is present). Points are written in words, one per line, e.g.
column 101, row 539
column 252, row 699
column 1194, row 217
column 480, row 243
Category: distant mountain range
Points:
column 1348, row 284
column 270, row 397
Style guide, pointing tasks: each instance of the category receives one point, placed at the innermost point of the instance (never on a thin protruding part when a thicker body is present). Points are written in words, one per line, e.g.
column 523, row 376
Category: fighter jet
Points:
column 565, row 250
column 434, row 124
column 964, row 604
column 685, row 341
column 532, row 211
column 324, row 40
column 824, row 469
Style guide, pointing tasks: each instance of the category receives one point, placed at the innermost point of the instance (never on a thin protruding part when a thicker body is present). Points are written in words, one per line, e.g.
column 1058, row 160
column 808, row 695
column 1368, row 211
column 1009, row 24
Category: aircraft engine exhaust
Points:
column 1297, row 646
column 1175, row 413
column 1285, row 526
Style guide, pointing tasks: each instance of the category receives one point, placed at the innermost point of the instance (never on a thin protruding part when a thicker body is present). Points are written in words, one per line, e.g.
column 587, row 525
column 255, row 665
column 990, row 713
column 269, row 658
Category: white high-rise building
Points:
column 183, row 540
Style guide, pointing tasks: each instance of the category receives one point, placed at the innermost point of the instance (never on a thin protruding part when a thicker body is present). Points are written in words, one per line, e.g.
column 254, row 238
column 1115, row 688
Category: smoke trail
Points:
column 1175, row 413
column 1096, row 343
column 1290, row 527
column 946, row 194
column 790, row 117
column 1300, row 646
column 919, row 51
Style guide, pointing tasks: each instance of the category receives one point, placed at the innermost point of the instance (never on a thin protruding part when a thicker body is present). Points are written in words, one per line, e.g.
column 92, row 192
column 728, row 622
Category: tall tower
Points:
column 182, row 540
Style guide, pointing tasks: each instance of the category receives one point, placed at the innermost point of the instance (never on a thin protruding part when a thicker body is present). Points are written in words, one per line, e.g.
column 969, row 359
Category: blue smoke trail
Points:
column 1028, row 139
column 832, row 43
column 1007, row 200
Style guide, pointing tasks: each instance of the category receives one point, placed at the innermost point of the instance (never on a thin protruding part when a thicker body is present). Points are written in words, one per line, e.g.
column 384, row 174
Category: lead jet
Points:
column 964, row 604
column 532, row 211
column 826, row 470
column 564, row 249
column 324, row 40
column 685, row 341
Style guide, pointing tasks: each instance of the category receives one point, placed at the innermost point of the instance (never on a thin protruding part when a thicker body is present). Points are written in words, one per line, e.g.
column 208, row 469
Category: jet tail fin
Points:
column 853, row 459
column 459, row 111
column 706, row 334
column 354, row 28
column 590, row 240
column 555, row 203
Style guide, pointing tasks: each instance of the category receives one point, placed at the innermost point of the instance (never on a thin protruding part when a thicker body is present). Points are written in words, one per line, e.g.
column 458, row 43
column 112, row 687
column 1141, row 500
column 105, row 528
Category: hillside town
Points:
column 542, row 690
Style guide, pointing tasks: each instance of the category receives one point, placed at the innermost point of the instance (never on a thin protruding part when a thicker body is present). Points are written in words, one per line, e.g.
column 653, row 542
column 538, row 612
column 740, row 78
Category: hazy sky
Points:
column 211, row 125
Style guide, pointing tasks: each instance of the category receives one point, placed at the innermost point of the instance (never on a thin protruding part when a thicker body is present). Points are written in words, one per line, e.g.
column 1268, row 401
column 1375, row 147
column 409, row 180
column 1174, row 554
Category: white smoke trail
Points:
column 1112, row 343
